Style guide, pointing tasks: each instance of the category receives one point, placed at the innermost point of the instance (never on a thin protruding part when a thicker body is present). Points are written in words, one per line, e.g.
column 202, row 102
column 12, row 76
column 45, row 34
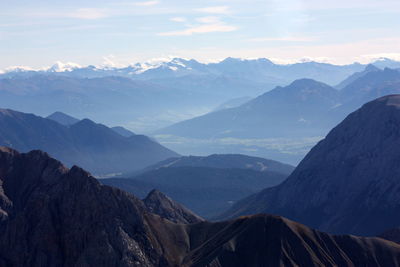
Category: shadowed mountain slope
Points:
column 56, row 216
column 206, row 191
column 348, row 183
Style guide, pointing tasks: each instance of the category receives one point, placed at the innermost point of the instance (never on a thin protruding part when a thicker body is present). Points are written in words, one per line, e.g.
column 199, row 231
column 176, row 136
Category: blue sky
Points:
column 41, row 32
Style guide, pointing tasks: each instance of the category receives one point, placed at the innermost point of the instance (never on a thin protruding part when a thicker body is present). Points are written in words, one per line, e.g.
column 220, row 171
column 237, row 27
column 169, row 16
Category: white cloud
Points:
column 283, row 39
column 111, row 61
column 378, row 56
column 178, row 19
column 207, row 28
column 147, row 3
column 209, row 19
column 89, row 13
column 214, row 10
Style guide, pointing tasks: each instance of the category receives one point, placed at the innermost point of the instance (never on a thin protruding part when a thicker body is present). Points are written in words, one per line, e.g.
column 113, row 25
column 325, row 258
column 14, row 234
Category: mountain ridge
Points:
column 102, row 226
column 346, row 183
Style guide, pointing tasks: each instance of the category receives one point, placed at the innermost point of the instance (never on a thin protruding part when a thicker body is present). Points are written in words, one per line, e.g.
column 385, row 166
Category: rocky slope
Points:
column 348, row 183
column 158, row 203
column 55, row 216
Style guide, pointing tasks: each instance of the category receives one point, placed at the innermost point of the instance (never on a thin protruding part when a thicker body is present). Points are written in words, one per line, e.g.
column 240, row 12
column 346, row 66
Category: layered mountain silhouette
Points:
column 62, row 118
column 85, row 143
column 292, row 118
column 260, row 70
column 123, row 131
column 139, row 95
column 205, row 190
column 348, row 183
column 300, row 109
column 112, row 100
column 68, row 120
column 356, row 75
column 225, row 161
column 57, row 216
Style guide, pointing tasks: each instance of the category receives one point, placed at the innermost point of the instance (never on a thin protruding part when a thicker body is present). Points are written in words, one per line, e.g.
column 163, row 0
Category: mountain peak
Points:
column 389, row 100
column 371, row 67
column 158, row 203
column 348, row 182
column 62, row 118
column 305, row 81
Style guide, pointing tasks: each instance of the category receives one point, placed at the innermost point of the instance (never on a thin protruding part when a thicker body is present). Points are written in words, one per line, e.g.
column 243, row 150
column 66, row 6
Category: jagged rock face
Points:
column 158, row 203
column 349, row 182
column 54, row 216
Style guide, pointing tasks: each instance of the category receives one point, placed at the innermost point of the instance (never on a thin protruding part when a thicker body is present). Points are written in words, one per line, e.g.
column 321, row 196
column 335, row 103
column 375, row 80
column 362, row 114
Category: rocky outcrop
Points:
column 55, row 216
column 158, row 203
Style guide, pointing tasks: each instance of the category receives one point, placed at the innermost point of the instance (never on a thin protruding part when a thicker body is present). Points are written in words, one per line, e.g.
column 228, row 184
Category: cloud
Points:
column 208, row 28
column 208, row 24
column 178, row 19
column 379, row 56
column 283, row 39
column 147, row 3
column 214, row 10
column 111, row 61
column 210, row 19
column 89, row 13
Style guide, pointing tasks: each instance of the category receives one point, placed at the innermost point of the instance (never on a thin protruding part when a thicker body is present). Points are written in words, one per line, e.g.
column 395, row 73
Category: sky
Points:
column 117, row 33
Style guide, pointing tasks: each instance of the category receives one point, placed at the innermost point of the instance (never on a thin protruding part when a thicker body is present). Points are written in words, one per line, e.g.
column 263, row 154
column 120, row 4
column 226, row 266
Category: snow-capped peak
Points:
column 62, row 67
column 18, row 69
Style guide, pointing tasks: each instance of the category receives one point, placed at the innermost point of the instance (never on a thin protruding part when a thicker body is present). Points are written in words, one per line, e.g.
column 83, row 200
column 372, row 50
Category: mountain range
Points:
column 261, row 70
column 153, row 96
column 68, row 120
column 94, row 146
column 302, row 111
column 348, row 183
column 205, row 185
column 224, row 161
column 57, row 216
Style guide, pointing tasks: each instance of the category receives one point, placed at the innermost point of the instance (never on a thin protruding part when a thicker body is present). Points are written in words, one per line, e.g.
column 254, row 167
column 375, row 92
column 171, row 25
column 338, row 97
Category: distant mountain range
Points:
column 85, row 143
column 64, row 217
column 134, row 104
column 261, row 70
column 152, row 96
column 304, row 109
column 206, row 185
column 348, row 183
column 282, row 123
